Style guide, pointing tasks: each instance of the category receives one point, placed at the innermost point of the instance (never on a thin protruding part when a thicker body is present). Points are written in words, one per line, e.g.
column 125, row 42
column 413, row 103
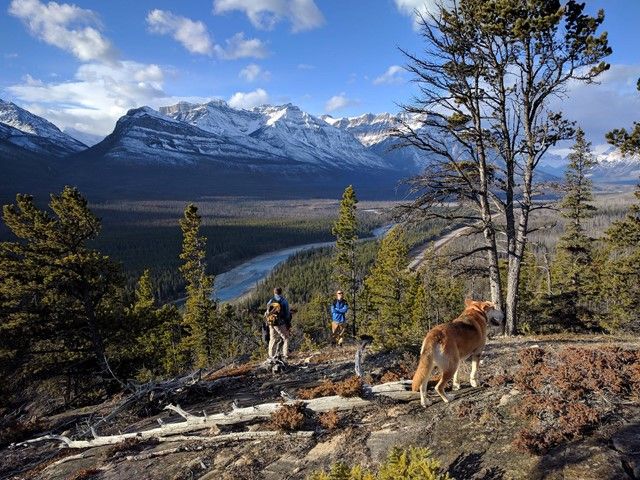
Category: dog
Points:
column 446, row 345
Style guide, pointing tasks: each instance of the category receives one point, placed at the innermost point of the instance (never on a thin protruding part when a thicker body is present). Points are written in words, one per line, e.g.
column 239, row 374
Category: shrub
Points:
column 411, row 463
column 329, row 420
column 289, row 418
column 566, row 393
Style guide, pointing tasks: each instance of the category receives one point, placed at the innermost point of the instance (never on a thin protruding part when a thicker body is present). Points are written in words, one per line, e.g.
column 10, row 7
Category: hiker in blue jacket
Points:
column 339, row 309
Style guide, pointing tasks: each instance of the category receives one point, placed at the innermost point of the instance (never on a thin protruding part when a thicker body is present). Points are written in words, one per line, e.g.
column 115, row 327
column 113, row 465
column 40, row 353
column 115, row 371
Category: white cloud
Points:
column 97, row 96
column 393, row 75
column 253, row 72
column 265, row 14
column 613, row 103
column 338, row 102
column 193, row 35
column 249, row 99
column 240, row 47
column 422, row 7
column 65, row 26
column 305, row 66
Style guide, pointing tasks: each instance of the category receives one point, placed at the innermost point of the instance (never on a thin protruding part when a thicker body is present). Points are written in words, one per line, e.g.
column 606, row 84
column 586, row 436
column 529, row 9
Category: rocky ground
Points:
column 473, row 437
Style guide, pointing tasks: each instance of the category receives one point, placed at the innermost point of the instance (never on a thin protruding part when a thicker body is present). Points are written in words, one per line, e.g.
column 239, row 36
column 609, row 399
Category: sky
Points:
column 83, row 64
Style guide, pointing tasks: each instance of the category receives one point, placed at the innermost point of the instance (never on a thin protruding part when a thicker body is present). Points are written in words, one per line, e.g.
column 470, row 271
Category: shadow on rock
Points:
column 470, row 466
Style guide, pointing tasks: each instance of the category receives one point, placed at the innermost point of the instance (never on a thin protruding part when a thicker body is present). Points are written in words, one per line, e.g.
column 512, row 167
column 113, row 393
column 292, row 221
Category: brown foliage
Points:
column 289, row 418
column 350, row 387
column 230, row 371
column 566, row 393
column 329, row 420
column 499, row 380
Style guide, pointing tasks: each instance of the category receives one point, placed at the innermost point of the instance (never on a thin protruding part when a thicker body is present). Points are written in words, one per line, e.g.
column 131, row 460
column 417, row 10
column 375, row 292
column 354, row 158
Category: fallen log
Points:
column 194, row 423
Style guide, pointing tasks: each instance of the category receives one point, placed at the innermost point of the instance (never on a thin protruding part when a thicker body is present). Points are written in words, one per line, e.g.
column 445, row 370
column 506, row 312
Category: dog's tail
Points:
column 425, row 366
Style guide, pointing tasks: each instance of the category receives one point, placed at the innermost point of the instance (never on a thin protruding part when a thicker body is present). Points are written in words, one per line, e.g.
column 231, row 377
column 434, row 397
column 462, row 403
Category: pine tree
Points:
column 345, row 266
column 199, row 315
column 60, row 301
column 627, row 142
column 157, row 350
column 387, row 285
column 621, row 271
column 444, row 291
column 572, row 272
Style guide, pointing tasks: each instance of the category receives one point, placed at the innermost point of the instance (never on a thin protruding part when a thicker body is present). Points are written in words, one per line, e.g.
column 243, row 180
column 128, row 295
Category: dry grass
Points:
column 568, row 393
column 230, row 371
column 350, row 387
column 85, row 474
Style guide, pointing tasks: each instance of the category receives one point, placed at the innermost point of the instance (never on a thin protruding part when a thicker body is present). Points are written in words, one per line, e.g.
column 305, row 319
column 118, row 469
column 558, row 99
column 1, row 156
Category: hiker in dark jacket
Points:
column 278, row 317
column 339, row 309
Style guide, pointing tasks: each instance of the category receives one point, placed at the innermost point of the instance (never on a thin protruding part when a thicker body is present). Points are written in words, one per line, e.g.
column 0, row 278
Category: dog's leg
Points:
column 475, row 360
column 423, row 394
column 447, row 374
column 456, row 382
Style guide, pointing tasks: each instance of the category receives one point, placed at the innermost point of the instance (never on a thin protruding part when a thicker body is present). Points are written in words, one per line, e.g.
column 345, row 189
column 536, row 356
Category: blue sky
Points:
column 82, row 64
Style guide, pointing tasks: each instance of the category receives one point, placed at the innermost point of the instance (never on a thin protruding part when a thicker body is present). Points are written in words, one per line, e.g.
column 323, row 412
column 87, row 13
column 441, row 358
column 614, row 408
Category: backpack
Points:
column 274, row 314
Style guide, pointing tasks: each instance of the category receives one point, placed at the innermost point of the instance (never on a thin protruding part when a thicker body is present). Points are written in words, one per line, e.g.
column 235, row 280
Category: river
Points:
column 243, row 278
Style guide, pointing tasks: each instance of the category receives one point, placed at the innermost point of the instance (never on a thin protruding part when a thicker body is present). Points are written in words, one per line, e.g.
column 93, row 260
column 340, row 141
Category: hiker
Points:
column 339, row 308
column 278, row 318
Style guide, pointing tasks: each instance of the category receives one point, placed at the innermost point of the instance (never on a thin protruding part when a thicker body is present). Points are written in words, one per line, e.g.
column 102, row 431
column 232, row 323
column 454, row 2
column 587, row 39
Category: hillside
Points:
column 485, row 432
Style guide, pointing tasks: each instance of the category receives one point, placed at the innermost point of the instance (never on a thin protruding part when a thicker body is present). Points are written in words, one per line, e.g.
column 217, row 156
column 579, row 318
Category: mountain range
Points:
column 214, row 149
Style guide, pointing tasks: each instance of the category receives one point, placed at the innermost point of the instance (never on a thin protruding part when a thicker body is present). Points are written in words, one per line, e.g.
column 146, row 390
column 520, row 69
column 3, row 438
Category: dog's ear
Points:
column 467, row 302
column 488, row 306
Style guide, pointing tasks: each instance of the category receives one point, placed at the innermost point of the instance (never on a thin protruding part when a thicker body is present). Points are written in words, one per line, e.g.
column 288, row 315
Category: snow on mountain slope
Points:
column 146, row 136
column 28, row 123
column 18, row 143
column 282, row 130
column 376, row 133
column 614, row 167
column 303, row 136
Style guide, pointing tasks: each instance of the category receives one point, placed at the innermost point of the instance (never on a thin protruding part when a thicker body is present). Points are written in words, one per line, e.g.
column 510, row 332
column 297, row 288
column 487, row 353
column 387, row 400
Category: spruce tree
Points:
column 388, row 284
column 60, row 301
column 621, row 271
column 572, row 272
column 344, row 263
column 199, row 316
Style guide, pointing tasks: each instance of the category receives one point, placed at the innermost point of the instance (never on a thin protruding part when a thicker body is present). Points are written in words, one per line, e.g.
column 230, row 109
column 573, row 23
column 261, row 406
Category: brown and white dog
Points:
column 446, row 345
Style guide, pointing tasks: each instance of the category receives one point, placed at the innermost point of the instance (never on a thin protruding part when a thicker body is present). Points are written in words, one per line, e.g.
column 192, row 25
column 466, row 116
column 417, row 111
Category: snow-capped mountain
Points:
column 613, row 166
column 376, row 133
column 282, row 131
column 146, row 136
column 41, row 136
